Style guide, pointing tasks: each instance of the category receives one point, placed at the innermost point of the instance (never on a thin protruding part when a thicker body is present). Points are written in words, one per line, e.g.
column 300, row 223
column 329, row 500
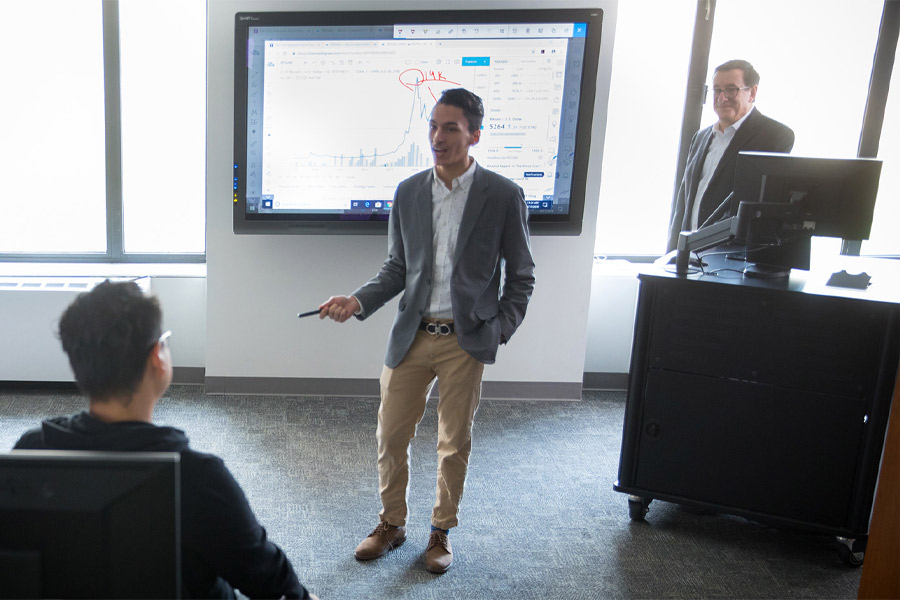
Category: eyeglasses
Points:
column 730, row 92
column 163, row 340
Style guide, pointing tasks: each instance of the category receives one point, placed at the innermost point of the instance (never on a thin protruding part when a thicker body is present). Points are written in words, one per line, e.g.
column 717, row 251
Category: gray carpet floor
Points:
column 539, row 519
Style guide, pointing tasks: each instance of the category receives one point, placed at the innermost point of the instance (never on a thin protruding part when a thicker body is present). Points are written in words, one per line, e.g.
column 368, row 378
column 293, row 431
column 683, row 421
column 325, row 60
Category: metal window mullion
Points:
column 696, row 83
column 876, row 100
column 113, row 118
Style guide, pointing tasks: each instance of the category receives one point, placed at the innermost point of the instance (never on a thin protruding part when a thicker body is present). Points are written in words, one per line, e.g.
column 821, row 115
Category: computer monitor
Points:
column 784, row 200
column 90, row 524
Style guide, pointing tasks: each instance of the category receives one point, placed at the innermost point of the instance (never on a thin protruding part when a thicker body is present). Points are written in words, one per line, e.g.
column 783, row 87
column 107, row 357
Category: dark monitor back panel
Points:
column 838, row 194
column 90, row 525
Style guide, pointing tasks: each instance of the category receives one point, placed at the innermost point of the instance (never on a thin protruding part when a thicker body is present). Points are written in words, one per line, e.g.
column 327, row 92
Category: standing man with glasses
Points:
column 455, row 232
column 122, row 362
column 709, row 172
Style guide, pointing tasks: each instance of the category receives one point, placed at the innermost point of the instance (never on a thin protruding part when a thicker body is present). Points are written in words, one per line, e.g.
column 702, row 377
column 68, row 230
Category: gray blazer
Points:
column 493, row 241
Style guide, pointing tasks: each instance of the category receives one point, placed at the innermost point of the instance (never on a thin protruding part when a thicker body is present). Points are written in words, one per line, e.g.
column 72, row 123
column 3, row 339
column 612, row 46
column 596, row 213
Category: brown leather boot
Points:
column 382, row 539
column 438, row 554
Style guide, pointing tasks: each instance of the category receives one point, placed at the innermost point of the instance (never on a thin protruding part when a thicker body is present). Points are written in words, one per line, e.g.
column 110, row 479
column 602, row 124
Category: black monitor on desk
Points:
column 780, row 202
column 90, row 524
column 783, row 201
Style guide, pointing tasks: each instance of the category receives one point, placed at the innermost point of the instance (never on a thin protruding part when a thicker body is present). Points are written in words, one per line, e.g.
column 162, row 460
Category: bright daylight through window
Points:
column 54, row 159
column 808, row 81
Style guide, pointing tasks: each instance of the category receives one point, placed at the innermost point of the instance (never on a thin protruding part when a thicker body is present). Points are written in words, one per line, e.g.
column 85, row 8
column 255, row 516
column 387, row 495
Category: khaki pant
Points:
column 404, row 390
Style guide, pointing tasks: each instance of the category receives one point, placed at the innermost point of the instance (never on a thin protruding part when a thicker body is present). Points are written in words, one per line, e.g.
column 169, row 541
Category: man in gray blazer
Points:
column 455, row 232
column 709, row 172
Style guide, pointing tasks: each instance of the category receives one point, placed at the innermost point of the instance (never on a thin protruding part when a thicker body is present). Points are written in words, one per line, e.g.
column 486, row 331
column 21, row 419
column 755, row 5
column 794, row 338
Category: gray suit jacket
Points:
column 758, row 132
column 493, row 240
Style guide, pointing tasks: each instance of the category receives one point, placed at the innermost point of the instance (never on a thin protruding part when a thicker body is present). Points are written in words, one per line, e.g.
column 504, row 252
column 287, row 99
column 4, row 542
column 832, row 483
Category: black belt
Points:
column 436, row 328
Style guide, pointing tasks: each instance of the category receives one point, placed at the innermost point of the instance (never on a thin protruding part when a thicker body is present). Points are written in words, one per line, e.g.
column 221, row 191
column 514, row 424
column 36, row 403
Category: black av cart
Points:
column 767, row 399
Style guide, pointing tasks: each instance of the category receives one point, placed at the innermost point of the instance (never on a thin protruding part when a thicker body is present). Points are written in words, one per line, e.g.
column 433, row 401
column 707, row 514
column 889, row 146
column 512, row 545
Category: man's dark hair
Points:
column 751, row 77
column 108, row 334
column 471, row 105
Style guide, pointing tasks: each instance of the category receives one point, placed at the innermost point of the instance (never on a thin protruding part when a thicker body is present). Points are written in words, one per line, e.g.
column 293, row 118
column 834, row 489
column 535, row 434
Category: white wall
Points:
column 30, row 319
column 31, row 303
column 610, row 326
column 257, row 284
column 183, row 301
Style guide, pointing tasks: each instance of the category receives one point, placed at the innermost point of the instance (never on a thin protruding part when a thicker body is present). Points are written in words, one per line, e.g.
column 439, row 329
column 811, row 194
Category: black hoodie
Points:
column 223, row 545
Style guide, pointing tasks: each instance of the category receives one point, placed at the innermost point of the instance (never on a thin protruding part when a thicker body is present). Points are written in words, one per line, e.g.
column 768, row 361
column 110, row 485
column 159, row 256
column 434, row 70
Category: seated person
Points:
column 122, row 363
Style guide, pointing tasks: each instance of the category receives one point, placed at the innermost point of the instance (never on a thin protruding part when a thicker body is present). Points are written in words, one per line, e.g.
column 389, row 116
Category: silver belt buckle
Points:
column 437, row 328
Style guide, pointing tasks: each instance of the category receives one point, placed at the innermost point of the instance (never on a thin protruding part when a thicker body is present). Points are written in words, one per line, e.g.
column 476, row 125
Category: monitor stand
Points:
column 777, row 261
column 764, row 271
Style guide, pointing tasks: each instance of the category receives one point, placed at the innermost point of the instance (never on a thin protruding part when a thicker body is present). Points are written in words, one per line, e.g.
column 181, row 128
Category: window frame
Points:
column 115, row 241
column 876, row 99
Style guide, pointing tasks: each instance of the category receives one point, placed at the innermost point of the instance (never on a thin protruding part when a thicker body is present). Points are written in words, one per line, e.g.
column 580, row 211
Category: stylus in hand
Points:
column 308, row 314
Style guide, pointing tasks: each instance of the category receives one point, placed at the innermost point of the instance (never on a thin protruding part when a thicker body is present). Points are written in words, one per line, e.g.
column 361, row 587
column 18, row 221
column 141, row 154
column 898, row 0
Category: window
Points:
column 163, row 125
column 807, row 81
column 646, row 101
column 69, row 195
column 814, row 58
column 52, row 157
column 815, row 61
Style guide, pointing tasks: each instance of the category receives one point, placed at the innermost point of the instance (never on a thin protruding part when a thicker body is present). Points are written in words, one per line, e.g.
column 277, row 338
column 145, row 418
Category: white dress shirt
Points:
column 447, row 206
column 717, row 146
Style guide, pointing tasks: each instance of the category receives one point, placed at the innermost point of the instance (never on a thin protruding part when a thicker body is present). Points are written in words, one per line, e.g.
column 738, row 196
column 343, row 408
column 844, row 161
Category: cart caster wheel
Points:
column 851, row 552
column 638, row 507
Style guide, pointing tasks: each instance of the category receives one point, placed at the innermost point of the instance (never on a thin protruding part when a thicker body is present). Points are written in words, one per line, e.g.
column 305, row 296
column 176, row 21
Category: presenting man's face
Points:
column 450, row 138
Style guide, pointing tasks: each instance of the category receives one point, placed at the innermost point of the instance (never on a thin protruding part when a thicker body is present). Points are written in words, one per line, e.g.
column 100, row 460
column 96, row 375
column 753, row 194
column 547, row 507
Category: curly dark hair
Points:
column 471, row 105
column 107, row 334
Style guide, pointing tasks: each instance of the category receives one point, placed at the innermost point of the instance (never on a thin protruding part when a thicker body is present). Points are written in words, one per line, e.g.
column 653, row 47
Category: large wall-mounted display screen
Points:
column 332, row 110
